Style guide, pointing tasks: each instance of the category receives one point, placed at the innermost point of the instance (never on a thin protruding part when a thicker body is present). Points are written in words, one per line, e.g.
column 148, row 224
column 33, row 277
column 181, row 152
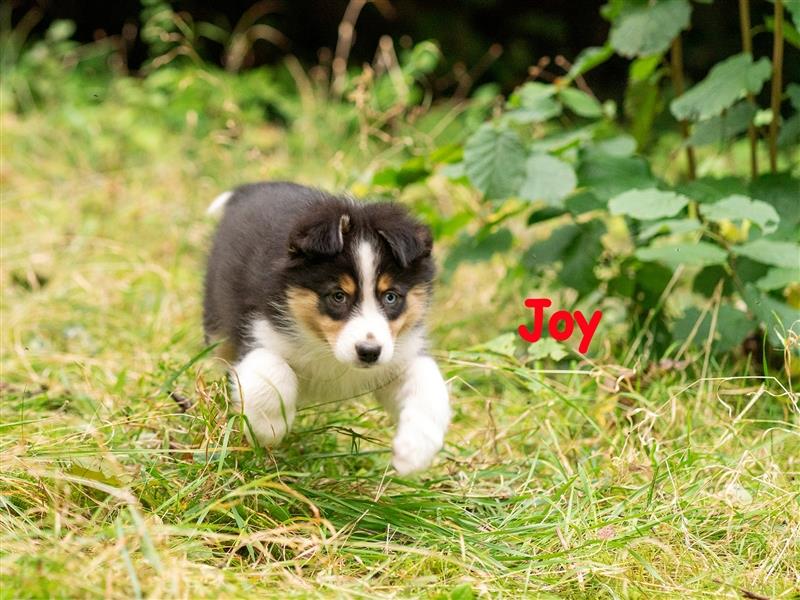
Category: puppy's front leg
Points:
column 265, row 390
column 418, row 401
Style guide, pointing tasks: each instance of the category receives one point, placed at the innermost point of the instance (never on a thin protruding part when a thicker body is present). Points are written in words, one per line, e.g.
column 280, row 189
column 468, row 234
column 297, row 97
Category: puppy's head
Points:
column 359, row 279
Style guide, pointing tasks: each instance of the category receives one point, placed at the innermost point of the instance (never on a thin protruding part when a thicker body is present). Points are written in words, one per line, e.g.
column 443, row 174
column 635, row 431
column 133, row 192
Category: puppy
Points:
column 322, row 299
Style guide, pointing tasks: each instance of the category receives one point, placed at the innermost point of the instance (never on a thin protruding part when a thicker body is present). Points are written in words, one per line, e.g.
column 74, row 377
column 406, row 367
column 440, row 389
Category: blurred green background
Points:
column 466, row 31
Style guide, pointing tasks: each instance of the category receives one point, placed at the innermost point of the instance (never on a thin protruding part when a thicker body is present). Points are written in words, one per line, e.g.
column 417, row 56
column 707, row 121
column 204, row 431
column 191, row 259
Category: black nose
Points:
column 368, row 352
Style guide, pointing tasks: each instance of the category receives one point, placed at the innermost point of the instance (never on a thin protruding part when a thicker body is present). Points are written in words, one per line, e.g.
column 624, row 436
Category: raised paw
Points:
column 415, row 446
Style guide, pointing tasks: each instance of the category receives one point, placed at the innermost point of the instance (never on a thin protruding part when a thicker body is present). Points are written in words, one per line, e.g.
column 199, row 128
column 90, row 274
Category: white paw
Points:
column 415, row 446
column 264, row 388
column 268, row 433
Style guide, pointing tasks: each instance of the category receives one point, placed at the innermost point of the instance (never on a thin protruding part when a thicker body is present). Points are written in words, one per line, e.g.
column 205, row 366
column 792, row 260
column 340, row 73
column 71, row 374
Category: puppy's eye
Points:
column 391, row 298
column 338, row 297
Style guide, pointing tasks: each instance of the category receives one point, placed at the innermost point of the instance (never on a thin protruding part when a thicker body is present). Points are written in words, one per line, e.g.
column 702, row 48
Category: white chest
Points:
column 325, row 379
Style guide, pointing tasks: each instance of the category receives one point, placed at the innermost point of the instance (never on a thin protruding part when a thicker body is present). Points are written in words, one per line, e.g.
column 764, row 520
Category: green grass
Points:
column 590, row 481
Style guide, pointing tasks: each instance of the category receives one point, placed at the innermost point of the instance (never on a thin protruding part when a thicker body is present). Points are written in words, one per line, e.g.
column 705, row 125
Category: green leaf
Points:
column 551, row 249
column 726, row 83
column 620, row 145
column 539, row 114
column 707, row 279
column 778, row 318
column 781, row 191
column 740, row 208
column 609, row 175
column 583, row 202
column 530, row 93
column 588, row 59
column 423, row 58
column 711, row 189
column 669, row 226
column 453, row 171
column 748, row 270
column 651, row 281
column 444, row 226
column 477, row 248
column 612, row 10
column 771, row 252
column 642, row 281
column 581, row 103
column 545, row 214
column 793, row 91
column 647, row 204
column 494, row 160
column 763, row 117
column 649, row 29
column 580, row 259
column 78, row 470
column 561, row 140
column 547, row 347
column 732, row 327
column 577, row 247
column 409, row 172
column 793, row 6
column 699, row 254
column 642, row 105
column 548, row 179
column 790, row 34
column 789, row 135
column 533, row 102
column 504, row 344
column 726, row 126
column 643, row 68
column 462, row 592
column 448, row 154
column 778, row 278
column 60, row 30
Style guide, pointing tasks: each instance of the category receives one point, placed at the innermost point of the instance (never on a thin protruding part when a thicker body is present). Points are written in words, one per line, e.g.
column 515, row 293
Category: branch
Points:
column 777, row 85
column 676, row 70
column 747, row 46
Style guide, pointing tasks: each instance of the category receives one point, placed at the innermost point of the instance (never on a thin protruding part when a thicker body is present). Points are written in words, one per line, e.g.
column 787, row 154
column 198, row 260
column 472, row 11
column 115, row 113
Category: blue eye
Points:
column 338, row 297
column 391, row 298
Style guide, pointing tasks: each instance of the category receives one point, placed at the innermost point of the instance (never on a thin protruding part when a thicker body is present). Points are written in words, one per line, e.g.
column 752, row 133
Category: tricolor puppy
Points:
column 320, row 299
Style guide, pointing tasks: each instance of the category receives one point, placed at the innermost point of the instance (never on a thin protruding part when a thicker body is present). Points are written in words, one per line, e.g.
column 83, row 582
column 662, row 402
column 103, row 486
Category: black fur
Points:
column 274, row 236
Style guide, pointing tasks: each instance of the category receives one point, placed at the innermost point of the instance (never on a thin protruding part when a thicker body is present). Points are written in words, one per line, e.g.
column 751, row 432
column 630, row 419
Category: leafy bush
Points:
column 616, row 229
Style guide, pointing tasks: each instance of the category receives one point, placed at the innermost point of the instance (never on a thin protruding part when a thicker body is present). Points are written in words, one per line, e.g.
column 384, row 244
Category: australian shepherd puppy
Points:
column 320, row 299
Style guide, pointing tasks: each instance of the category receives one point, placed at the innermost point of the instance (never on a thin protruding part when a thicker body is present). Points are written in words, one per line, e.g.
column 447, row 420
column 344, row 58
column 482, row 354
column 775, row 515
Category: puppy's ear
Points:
column 408, row 240
column 320, row 237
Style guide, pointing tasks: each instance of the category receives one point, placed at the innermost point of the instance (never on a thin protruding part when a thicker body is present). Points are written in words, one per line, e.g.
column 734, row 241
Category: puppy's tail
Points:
column 217, row 207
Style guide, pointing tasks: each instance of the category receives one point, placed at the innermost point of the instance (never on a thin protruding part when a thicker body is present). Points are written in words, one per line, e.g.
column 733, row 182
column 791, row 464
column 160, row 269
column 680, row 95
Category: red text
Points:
column 561, row 324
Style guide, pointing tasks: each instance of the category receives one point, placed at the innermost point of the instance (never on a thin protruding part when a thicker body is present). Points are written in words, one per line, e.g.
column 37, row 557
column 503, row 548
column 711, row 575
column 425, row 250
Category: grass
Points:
column 590, row 480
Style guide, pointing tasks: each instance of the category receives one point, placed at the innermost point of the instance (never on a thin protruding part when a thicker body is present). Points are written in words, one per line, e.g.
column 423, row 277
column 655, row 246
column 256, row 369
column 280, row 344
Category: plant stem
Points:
column 344, row 44
column 777, row 85
column 676, row 70
column 747, row 46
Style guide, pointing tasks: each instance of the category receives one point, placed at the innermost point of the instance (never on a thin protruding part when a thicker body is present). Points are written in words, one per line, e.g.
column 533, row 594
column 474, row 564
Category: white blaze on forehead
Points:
column 366, row 257
column 369, row 323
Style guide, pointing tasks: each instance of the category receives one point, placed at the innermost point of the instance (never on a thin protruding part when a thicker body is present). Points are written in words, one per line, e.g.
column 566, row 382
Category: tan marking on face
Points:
column 348, row 285
column 413, row 313
column 303, row 306
column 385, row 283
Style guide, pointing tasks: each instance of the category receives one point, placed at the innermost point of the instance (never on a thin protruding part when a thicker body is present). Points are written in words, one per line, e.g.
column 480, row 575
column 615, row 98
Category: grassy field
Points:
column 596, row 479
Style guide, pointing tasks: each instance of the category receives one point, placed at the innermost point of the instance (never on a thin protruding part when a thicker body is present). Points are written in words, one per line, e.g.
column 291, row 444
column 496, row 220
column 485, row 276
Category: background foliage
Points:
column 619, row 176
